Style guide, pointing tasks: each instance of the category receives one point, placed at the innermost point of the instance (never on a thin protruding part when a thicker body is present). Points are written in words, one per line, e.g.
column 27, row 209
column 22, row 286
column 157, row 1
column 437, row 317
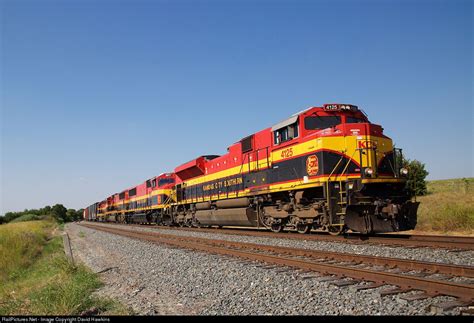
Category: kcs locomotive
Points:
column 327, row 168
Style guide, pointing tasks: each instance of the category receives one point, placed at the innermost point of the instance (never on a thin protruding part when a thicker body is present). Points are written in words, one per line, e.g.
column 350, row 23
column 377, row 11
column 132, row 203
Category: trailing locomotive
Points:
column 323, row 168
column 140, row 204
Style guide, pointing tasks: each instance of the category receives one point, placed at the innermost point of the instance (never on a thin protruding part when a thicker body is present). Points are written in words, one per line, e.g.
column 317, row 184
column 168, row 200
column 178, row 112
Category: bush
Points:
column 416, row 183
column 26, row 217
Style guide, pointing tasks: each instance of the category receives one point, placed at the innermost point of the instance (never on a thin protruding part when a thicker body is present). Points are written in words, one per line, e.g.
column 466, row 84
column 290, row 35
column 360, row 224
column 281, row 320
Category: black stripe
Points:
column 286, row 170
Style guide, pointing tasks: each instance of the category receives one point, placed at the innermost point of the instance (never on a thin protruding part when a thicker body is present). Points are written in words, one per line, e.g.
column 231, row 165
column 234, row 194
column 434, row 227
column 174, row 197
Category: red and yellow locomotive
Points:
column 324, row 168
column 139, row 204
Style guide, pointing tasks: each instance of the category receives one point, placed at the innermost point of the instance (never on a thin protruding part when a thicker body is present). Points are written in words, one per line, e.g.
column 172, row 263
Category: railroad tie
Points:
column 446, row 306
column 455, row 250
column 393, row 291
column 367, row 286
column 468, row 311
column 416, row 297
column 326, row 279
column 343, row 283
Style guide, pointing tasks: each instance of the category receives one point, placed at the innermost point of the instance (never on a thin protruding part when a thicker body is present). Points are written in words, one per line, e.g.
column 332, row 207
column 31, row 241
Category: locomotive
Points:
column 326, row 168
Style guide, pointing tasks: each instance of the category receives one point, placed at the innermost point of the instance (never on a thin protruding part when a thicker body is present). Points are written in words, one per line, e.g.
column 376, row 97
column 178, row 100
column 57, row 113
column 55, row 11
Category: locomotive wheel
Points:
column 336, row 230
column 303, row 228
column 277, row 228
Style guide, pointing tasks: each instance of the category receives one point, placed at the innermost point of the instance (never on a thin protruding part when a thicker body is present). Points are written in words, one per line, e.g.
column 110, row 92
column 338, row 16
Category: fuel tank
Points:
column 235, row 216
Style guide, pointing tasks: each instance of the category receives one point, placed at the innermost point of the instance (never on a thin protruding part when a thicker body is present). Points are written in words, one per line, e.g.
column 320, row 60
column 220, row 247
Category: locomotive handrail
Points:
column 334, row 169
column 347, row 165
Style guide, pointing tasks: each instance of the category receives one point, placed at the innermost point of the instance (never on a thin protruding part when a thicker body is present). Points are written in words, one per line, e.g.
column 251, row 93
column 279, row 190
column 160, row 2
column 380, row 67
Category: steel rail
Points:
column 396, row 239
column 464, row 292
column 454, row 242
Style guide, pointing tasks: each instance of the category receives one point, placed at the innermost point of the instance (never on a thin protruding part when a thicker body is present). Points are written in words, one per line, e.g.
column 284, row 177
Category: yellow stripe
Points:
column 383, row 180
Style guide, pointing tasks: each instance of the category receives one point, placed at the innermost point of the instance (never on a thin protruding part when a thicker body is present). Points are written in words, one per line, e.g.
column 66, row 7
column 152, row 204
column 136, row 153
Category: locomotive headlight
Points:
column 404, row 171
column 368, row 171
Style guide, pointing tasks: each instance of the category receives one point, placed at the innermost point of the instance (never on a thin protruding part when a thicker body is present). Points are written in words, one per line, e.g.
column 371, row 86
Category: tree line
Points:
column 58, row 212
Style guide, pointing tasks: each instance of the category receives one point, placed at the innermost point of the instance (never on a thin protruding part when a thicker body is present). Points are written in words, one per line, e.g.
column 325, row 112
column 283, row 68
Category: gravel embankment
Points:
column 156, row 279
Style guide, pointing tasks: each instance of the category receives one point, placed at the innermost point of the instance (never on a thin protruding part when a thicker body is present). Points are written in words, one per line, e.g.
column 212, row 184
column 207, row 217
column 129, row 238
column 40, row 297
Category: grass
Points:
column 20, row 244
column 448, row 207
column 37, row 279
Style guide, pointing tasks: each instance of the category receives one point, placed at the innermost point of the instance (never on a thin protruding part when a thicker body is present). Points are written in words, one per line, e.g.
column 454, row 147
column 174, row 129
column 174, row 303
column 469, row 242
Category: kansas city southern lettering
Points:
column 221, row 184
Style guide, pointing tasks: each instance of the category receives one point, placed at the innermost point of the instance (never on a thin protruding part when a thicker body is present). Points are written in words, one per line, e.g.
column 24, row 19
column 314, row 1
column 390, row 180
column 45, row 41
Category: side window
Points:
column 164, row 181
column 153, row 183
column 286, row 133
column 247, row 144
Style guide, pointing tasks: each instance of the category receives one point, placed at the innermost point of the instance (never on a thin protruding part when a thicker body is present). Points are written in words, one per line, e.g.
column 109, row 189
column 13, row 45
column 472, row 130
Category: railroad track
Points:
column 452, row 243
column 344, row 269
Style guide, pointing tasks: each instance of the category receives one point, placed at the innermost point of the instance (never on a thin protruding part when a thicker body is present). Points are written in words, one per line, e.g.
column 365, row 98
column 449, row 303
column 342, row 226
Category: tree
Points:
column 9, row 216
column 59, row 212
column 416, row 184
column 46, row 210
column 73, row 215
column 79, row 214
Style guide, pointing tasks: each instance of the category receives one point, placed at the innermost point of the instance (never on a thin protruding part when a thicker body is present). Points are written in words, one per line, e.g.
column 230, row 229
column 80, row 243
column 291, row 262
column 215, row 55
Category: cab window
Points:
column 164, row 181
column 355, row 120
column 323, row 122
column 286, row 133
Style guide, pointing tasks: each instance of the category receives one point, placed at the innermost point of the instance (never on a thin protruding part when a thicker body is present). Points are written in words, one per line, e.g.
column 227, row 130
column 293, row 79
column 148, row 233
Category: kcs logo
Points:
column 366, row 144
column 312, row 165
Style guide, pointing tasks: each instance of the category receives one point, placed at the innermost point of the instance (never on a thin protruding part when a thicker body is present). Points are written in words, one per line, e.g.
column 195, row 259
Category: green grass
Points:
column 26, row 217
column 448, row 207
column 42, row 281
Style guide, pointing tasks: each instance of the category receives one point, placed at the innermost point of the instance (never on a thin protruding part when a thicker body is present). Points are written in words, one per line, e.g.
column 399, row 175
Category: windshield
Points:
column 317, row 122
column 355, row 120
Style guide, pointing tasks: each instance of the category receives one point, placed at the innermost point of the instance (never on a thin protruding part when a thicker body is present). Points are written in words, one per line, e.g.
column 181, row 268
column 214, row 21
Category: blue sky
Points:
column 97, row 96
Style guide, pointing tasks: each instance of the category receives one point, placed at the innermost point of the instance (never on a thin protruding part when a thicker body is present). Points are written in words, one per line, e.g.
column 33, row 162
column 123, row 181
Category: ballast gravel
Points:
column 157, row 279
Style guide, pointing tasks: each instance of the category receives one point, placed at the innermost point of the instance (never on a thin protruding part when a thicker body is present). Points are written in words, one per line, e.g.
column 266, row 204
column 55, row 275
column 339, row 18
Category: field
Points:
column 448, row 208
column 37, row 279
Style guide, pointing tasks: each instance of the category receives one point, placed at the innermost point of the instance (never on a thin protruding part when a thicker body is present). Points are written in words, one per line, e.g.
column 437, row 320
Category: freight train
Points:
column 325, row 168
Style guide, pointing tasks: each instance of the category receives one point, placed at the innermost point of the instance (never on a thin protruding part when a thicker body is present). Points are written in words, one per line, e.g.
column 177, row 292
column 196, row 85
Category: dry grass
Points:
column 448, row 208
column 37, row 279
